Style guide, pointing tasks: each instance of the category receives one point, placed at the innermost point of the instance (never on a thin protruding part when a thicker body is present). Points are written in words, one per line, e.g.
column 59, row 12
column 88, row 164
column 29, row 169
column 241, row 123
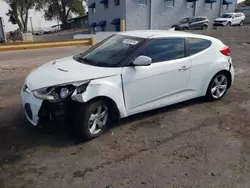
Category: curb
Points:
column 86, row 42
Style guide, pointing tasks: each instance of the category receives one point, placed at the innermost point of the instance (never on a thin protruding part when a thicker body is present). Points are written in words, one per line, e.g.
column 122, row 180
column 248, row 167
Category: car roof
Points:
column 162, row 33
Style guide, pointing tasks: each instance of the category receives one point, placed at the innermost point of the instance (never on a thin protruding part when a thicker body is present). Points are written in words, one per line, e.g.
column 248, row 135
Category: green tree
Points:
column 61, row 9
column 19, row 12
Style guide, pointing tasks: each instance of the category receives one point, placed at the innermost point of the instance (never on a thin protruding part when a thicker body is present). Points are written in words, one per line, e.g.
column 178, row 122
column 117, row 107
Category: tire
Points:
column 185, row 29
column 91, row 115
column 229, row 24
column 204, row 27
column 241, row 23
column 217, row 91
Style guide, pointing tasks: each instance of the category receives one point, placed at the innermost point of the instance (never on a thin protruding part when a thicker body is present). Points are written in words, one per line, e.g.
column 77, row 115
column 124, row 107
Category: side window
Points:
column 197, row 45
column 165, row 49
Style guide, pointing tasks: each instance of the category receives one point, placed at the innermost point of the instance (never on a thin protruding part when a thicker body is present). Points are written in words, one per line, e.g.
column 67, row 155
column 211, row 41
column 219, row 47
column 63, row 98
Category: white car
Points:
column 127, row 73
column 230, row 19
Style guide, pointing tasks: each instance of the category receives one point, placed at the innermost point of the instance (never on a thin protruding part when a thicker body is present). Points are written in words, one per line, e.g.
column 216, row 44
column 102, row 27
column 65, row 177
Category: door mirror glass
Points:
column 142, row 61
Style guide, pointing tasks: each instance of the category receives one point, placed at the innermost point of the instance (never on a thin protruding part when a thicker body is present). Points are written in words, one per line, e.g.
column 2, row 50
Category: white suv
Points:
column 230, row 19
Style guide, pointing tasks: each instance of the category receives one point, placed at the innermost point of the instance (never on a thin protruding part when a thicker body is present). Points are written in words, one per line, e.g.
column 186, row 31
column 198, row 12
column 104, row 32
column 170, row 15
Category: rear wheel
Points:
column 92, row 119
column 218, row 87
column 241, row 23
column 185, row 28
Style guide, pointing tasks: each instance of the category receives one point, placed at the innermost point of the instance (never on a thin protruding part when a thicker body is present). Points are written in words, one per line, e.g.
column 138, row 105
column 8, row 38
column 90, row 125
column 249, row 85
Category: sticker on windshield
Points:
column 131, row 42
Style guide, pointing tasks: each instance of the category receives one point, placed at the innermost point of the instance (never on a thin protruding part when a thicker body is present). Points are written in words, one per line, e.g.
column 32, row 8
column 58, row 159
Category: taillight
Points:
column 225, row 51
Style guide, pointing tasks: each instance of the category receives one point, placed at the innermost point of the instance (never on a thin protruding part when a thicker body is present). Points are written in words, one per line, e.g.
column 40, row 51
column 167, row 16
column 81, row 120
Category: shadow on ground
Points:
column 19, row 135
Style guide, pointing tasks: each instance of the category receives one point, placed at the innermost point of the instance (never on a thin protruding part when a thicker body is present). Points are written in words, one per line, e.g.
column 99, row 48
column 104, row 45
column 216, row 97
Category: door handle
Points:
column 183, row 68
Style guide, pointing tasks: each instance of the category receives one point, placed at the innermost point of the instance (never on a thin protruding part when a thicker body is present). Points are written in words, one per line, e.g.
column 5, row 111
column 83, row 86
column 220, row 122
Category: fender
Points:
column 215, row 68
column 110, row 87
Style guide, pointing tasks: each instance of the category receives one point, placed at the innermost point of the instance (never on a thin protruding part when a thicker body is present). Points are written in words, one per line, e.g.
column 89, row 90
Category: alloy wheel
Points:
column 98, row 119
column 219, row 86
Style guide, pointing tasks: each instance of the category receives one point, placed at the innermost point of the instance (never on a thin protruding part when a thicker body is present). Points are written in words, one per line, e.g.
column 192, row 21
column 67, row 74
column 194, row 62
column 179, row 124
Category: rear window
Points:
column 197, row 45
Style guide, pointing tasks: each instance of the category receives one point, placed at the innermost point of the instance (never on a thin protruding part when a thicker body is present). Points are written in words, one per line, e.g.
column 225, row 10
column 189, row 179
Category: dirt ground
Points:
column 188, row 145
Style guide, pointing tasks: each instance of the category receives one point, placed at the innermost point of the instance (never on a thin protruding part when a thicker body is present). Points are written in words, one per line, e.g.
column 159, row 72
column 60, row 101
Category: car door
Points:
column 234, row 19
column 161, row 83
column 193, row 24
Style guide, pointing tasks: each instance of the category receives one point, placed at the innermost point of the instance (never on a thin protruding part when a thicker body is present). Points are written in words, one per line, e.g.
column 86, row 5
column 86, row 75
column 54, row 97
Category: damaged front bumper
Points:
column 41, row 112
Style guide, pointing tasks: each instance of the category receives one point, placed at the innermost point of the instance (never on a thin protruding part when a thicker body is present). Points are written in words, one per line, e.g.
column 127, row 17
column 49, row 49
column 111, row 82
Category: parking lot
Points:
column 192, row 144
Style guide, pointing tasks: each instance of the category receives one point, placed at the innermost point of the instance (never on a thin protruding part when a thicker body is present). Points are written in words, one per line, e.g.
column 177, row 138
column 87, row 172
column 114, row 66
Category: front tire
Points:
column 218, row 87
column 92, row 119
column 229, row 24
column 204, row 27
column 241, row 23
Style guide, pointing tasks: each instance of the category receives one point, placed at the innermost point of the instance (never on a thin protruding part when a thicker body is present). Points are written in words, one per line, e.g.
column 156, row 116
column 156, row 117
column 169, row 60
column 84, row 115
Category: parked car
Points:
column 125, row 74
column 192, row 23
column 230, row 19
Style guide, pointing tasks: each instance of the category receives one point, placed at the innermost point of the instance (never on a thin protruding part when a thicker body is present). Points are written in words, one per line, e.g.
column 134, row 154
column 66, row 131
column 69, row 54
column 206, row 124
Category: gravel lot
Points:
column 192, row 144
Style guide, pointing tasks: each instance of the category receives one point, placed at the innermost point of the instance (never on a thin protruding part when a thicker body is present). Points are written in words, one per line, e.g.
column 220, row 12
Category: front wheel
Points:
column 92, row 119
column 229, row 24
column 204, row 27
column 241, row 23
column 218, row 87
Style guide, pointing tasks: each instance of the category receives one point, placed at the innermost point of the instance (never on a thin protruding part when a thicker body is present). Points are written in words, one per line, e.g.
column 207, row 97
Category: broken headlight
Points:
column 59, row 93
column 54, row 94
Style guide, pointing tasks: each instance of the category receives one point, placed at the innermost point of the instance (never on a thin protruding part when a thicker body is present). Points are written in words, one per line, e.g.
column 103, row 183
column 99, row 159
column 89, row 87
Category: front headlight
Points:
column 59, row 93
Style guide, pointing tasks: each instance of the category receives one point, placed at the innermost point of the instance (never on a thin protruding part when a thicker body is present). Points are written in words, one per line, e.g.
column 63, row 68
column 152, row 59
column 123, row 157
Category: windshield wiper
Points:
column 89, row 61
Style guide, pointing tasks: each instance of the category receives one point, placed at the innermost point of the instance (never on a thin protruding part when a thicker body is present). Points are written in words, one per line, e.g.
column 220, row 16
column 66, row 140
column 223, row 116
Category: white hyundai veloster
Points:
column 125, row 74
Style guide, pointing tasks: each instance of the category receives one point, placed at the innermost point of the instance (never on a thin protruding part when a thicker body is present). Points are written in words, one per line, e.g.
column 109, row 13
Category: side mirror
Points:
column 142, row 61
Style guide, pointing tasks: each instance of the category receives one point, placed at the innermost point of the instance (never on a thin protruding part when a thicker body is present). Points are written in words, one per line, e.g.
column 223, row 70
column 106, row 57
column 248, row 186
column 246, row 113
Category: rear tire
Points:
column 218, row 86
column 241, row 23
column 92, row 119
column 185, row 29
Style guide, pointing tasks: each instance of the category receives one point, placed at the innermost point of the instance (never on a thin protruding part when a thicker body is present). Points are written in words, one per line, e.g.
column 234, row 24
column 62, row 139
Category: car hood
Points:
column 66, row 70
column 221, row 19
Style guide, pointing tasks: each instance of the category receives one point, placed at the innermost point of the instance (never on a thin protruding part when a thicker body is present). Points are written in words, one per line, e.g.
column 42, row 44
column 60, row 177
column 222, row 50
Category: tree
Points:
column 19, row 12
column 61, row 9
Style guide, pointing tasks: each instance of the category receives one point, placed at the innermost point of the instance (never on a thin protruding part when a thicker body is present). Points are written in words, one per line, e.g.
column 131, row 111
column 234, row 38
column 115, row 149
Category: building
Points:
column 105, row 15
column 245, row 10
column 79, row 22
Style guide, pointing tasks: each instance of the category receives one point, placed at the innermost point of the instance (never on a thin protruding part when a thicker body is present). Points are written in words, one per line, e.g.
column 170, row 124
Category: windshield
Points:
column 226, row 16
column 111, row 52
column 185, row 20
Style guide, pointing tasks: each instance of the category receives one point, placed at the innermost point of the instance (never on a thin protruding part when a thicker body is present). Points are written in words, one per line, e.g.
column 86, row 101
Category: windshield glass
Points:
column 185, row 20
column 111, row 52
column 226, row 16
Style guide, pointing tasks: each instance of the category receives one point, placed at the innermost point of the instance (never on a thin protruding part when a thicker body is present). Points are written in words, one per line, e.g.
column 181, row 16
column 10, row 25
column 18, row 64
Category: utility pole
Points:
column 31, row 25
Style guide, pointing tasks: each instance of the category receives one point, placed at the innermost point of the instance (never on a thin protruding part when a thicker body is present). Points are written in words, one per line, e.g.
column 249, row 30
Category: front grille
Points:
column 28, row 111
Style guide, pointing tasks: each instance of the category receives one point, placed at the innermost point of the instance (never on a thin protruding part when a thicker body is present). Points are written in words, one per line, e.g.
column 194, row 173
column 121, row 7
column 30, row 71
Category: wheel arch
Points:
column 227, row 73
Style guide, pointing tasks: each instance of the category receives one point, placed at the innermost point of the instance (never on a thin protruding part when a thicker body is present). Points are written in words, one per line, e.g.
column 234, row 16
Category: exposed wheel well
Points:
column 115, row 111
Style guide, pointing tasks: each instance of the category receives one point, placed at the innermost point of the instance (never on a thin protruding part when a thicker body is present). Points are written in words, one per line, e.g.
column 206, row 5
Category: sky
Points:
column 38, row 20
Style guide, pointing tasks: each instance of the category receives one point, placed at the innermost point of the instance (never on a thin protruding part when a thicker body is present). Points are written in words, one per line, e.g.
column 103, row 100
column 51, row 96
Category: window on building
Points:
column 93, row 10
column 117, row 2
column 169, row 3
column 141, row 2
column 225, row 7
column 197, row 45
column 165, row 49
